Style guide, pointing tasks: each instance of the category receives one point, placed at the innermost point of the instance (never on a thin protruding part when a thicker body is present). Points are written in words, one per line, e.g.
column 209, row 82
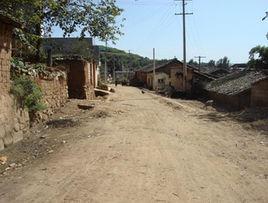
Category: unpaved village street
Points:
column 148, row 149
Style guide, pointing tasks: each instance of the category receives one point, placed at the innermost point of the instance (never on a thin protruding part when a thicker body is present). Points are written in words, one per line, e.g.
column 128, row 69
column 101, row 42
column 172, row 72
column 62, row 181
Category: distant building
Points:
column 81, row 59
column 167, row 74
column 239, row 90
column 238, row 67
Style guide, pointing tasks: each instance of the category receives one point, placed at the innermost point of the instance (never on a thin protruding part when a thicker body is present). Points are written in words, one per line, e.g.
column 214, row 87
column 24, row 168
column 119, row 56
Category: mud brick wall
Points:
column 55, row 95
column 5, row 55
column 14, row 121
column 176, row 78
column 89, row 80
column 81, row 76
column 259, row 94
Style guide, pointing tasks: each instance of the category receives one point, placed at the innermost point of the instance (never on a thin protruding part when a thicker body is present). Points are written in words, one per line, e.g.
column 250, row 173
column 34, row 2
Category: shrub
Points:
column 28, row 94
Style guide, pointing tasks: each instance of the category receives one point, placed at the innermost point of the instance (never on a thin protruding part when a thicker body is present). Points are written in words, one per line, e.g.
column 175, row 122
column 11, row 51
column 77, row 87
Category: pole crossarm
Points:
column 180, row 14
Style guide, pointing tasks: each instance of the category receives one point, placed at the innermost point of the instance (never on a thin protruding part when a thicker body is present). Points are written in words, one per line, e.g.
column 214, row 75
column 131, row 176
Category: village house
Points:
column 167, row 74
column 81, row 60
column 238, row 67
column 240, row 90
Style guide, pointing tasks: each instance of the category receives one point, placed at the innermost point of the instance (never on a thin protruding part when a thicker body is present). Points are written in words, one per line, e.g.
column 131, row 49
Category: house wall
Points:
column 259, row 94
column 158, row 76
column 5, row 55
column 176, row 78
column 14, row 121
column 231, row 102
column 141, row 76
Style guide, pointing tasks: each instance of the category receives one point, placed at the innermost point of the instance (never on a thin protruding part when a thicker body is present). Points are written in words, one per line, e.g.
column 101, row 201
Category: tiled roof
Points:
column 149, row 68
column 236, row 83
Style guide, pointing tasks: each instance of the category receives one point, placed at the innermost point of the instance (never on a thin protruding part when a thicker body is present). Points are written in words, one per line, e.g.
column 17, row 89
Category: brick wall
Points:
column 259, row 94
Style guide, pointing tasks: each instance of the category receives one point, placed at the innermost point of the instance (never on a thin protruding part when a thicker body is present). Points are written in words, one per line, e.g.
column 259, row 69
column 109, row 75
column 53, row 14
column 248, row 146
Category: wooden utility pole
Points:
column 199, row 61
column 184, row 43
column 153, row 68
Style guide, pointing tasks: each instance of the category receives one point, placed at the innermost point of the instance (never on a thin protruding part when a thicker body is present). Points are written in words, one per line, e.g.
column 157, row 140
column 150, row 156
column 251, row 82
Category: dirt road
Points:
column 149, row 150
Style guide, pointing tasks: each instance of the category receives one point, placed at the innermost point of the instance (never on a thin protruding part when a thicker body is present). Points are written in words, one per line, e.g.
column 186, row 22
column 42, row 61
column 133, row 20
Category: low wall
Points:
column 259, row 94
column 55, row 95
column 14, row 121
column 231, row 102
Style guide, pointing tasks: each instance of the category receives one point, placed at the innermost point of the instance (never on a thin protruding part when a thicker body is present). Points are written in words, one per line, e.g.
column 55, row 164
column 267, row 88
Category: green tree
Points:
column 97, row 18
column 258, row 57
column 223, row 63
column 193, row 63
column 211, row 63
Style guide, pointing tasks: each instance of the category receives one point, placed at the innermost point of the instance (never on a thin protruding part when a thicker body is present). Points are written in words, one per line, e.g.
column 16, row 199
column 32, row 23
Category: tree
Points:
column 223, row 63
column 193, row 63
column 97, row 18
column 258, row 57
column 211, row 63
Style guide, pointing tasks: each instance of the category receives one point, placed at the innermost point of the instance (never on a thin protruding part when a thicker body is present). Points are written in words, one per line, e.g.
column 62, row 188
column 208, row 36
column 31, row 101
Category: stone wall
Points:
column 14, row 121
column 55, row 95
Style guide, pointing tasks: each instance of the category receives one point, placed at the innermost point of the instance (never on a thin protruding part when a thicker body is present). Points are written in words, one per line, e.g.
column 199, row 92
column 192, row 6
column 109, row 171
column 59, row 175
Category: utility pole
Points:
column 153, row 68
column 199, row 61
column 184, row 43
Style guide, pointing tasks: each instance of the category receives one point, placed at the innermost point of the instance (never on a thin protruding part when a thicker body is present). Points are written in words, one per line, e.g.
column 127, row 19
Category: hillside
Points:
column 120, row 60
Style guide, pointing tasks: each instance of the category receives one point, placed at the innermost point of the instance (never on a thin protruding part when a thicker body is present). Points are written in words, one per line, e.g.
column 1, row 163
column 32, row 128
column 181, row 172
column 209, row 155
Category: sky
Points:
column 217, row 28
